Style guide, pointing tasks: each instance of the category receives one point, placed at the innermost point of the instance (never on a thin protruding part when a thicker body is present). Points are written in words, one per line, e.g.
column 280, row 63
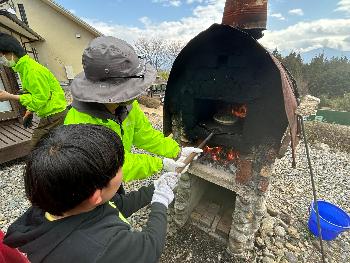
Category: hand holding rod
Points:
column 190, row 158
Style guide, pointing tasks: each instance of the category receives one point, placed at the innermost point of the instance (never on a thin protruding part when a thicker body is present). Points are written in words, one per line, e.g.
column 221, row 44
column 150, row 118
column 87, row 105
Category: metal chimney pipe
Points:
column 246, row 14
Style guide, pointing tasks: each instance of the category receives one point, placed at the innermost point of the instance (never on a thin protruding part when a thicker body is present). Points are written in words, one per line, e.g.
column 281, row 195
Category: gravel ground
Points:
column 283, row 236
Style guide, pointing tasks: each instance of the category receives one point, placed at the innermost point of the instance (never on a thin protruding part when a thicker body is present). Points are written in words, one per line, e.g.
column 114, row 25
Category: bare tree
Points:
column 173, row 49
column 154, row 50
column 159, row 52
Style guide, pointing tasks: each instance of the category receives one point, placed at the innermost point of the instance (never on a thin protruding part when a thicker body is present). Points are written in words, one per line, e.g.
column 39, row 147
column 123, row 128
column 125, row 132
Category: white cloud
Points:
column 175, row 3
column 305, row 36
column 297, row 11
column 145, row 20
column 72, row 11
column 343, row 6
column 194, row 1
column 279, row 16
column 178, row 3
column 184, row 29
column 302, row 36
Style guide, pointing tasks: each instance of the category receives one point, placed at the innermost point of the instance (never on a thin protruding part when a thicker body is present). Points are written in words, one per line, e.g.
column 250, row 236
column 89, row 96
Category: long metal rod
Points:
column 190, row 158
column 313, row 190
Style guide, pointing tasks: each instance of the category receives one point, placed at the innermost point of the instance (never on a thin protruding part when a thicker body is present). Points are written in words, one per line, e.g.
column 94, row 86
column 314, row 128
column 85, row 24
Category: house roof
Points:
column 13, row 24
column 71, row 16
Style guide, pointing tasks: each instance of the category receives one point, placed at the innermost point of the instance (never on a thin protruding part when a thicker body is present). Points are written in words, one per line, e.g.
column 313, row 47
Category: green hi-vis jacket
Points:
column 138, row 131
column 44, row 94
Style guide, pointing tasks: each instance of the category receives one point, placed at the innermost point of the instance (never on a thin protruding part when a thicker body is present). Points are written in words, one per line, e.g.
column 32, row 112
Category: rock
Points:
column 271, row 211
column 286, row 218
column 260, row 242
column 322, row 146
column 149, row 102
column 267, row 225
column 308, row 105
column 267, row 260
column 290, row 257
column 291, row 247
column 267, row 253
column 293, row 232
column 317, row 245
column 281, row 223
column 189, row 257
column 279, row 245
column 279, row 231
column 268, row 242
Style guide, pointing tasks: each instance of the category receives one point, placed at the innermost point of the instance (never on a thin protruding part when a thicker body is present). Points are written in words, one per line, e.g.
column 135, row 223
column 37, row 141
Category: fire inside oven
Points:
column 225, row 119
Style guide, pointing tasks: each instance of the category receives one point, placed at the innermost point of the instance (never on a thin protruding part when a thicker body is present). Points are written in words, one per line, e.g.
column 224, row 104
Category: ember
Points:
column 231, row 155
column 240, row 111
column 218, row 154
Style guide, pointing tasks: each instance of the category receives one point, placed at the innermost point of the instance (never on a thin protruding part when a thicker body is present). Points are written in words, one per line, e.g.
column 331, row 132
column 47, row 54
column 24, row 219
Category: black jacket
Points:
column 96, row 236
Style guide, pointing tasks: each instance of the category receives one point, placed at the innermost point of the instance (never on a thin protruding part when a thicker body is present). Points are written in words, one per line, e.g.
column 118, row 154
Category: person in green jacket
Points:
column 42, row 93
column 104, row 94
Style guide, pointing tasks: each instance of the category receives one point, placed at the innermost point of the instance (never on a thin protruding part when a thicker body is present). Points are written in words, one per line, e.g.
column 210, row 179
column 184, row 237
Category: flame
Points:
column 232, row 155
column 207, row 149
column 218, row 154
column 215, row 157
column 240, row 111
column 213, row 150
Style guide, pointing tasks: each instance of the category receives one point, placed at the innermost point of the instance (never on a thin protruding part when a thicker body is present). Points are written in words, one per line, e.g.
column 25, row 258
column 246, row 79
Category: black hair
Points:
column 69, row 164
column 9, row 44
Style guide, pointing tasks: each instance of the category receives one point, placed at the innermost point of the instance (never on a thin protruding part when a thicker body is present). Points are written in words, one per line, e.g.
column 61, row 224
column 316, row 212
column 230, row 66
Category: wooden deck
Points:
column 14, row 140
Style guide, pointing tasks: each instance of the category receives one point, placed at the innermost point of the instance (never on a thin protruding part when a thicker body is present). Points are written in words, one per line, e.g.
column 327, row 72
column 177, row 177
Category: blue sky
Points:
column 292, row 24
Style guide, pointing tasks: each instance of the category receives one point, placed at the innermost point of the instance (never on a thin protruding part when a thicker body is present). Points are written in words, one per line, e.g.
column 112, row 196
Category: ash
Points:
column 225, row 166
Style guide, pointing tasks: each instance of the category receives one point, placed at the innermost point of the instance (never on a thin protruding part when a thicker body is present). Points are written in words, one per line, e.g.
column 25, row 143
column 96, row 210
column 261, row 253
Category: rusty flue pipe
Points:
column 246, row 14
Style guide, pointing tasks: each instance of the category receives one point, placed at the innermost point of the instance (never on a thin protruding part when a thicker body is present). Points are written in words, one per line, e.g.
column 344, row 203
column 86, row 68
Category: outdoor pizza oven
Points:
column 225, row 82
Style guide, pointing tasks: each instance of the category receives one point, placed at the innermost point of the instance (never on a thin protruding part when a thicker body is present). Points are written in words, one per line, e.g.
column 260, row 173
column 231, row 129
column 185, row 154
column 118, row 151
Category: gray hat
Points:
column 113, row 73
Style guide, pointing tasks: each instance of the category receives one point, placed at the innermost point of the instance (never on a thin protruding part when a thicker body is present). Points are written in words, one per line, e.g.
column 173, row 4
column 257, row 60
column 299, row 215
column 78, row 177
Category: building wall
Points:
column 61, row 46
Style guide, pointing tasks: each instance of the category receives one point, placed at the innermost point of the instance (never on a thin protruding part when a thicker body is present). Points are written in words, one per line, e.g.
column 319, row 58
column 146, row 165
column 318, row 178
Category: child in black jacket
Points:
column 71, row 179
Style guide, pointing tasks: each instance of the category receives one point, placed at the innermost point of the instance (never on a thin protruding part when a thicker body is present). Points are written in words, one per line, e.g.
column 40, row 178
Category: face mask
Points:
column 7, row 63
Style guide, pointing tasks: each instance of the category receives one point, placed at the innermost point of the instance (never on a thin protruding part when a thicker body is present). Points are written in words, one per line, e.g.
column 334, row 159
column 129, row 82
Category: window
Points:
column 8, row 109
column 4, row 106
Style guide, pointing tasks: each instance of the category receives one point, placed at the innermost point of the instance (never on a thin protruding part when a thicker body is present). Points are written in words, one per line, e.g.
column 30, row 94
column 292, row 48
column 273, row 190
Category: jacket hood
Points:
column 32, row 231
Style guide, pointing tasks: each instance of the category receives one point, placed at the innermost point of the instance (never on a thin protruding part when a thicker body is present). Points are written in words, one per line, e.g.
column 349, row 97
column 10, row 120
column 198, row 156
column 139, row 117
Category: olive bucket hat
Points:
column 113, row 73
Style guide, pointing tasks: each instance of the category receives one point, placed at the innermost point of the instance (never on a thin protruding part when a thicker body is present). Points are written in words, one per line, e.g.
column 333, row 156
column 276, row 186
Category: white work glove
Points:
column 171, row 165
column 186, row 151
column 163, row 189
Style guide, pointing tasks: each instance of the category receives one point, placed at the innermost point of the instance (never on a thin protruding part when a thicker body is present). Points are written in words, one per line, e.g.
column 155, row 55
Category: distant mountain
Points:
column 328, row 53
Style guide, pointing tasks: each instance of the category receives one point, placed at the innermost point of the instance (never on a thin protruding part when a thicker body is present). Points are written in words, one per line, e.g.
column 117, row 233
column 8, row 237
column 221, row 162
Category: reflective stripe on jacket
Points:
column 44, row 94
column 138, row 131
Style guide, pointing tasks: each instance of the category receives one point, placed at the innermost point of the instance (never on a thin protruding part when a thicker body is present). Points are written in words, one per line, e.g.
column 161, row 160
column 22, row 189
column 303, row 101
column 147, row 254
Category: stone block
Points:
column 205, row 213
column 266, row 171
column 244, row 172
column 205, row 220
column 241, row 218
column 271, row 155
column 263, row 184
column 224, row 226
column 185, row 177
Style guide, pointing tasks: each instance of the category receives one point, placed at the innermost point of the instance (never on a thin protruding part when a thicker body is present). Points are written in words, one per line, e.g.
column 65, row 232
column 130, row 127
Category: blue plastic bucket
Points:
column 333, row 220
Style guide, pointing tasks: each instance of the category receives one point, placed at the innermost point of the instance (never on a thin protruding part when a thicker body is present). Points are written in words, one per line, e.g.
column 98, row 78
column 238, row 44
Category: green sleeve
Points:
column 39, row 93
column 140, row 166
column 152, row 140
